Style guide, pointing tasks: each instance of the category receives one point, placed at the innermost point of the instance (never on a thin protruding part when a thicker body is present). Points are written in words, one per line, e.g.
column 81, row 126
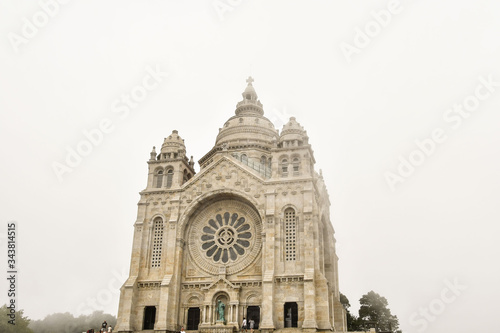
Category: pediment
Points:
column 225, row 172
column 221, row 283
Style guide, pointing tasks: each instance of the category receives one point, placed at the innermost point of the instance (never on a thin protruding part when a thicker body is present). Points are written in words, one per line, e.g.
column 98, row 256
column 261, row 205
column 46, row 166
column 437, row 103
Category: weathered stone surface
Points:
column 251, row 229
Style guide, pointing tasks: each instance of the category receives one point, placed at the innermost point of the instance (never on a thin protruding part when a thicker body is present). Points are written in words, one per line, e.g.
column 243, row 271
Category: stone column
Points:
column 151, row 176
column 127, row 298
column 128, row 290
column 322, row 304
column 320, row 282
column 175, row 288
column 161, row 322
column 268, row 259
column 309, row 259
column 170, row 258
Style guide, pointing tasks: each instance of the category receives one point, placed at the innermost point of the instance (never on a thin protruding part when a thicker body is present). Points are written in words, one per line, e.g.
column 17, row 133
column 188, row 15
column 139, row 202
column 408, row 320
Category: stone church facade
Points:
column 251, row 229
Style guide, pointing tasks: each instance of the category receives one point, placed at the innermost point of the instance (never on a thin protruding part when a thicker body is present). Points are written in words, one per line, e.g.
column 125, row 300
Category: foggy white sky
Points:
column 440, row 224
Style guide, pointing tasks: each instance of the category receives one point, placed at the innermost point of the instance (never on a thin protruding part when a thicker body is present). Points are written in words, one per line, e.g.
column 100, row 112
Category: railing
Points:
column 256, row 165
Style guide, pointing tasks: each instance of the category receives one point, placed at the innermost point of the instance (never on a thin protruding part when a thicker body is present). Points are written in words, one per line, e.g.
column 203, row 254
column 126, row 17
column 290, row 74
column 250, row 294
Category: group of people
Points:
column 104, row 328
column 245, row 325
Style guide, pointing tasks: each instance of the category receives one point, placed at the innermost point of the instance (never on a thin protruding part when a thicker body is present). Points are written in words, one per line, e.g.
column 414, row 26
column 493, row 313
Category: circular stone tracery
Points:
column 227, row 238
column 226, row 233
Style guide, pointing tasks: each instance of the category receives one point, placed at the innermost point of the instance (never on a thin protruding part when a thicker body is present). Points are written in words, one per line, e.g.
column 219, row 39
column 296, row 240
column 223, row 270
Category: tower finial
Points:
column 249, row 99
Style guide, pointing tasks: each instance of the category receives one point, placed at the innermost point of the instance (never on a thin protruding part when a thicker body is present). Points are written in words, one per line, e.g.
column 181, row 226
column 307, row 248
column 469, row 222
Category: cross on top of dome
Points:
column 249, row 94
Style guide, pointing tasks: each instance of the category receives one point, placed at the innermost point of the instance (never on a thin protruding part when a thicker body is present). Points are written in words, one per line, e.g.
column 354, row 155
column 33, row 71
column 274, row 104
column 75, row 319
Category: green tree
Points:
column 352, row 320
column 20, row 323
column 353, row 323
column 374, row 309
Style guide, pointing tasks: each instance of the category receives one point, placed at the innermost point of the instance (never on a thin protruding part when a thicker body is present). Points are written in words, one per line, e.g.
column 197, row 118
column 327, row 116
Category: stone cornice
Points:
column 185, row 161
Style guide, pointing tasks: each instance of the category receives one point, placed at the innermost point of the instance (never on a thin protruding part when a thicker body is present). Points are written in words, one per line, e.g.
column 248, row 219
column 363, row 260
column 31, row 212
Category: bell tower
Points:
column 171, row 167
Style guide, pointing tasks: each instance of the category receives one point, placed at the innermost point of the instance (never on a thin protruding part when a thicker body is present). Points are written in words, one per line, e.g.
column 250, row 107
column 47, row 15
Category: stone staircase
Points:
column 288, row 330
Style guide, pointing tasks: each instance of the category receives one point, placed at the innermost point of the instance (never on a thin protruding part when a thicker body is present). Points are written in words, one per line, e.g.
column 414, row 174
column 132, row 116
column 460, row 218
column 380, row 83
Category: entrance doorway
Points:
column 193, row 319
column 149, row 318
column 253, row 312
column 291, row 314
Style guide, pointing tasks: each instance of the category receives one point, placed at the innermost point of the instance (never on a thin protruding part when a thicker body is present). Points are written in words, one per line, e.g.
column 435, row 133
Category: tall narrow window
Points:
column 244, row 158
column 158, row 178
column 296, row 165
column 290, row 234
column 263, row 165
column 170, row 176
column 284, row 167
column 157, row 242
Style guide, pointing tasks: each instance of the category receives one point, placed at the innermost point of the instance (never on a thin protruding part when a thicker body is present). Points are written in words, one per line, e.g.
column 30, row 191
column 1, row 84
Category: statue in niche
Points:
column 220, row 308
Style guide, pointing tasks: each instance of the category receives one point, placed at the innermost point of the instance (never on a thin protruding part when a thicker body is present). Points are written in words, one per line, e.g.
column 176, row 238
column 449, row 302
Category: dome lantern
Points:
column 250, row 105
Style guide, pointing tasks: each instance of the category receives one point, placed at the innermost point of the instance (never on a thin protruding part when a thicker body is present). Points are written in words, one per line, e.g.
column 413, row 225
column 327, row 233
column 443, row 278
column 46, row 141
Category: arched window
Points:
column 284, row 167
column 296, row 165
column 157, row 242
column 244, row 158
column 170, row 176
column 158, row 181
column 290, row 234
column 263, row 160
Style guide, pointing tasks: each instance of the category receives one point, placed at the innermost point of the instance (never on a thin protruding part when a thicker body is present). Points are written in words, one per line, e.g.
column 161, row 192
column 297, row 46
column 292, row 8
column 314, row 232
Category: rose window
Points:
column 225, row 233
column 226, row 237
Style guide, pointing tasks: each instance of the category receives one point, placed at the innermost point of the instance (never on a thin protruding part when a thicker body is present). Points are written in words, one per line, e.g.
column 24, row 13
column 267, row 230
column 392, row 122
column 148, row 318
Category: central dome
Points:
column 248, row 127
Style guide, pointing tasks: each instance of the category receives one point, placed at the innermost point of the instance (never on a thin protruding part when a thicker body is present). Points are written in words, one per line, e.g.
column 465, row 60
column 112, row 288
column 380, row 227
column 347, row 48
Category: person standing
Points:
column 182, row 330
column 104, row 326
column 252, row 323
column 244, row 325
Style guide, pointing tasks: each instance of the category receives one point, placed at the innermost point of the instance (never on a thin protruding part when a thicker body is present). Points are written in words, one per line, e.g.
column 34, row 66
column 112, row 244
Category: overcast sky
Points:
column 416, row 222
